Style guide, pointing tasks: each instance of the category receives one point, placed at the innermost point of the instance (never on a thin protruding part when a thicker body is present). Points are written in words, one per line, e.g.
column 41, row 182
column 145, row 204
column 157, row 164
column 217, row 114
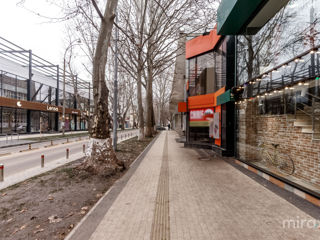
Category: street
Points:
column 16, row 162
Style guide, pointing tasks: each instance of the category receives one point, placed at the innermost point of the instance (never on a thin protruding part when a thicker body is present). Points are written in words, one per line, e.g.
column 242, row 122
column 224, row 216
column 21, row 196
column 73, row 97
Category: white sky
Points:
column 30, row 31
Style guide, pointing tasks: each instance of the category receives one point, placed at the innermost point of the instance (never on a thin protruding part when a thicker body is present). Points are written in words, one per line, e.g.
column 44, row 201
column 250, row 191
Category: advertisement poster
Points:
column 201, row 117
column 216, row 125
column 211, row 129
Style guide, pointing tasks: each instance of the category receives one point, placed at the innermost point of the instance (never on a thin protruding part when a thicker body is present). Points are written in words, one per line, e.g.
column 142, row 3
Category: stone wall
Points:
column 278, row 129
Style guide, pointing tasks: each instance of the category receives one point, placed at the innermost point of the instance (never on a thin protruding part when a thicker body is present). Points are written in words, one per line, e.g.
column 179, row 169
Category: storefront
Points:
column 43, row 117
column 210, row 74
column 277, row 87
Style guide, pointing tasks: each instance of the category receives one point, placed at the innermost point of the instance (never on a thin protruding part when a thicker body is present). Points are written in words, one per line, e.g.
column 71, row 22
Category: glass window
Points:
column 35, row 121
column 47, row 121
column 8, row 120
column 21, row 121
column 8, row 86
column 43, row 93
column 22, row 88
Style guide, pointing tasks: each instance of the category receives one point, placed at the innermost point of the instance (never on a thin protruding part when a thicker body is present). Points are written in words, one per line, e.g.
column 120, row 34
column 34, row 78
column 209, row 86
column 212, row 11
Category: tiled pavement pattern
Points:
column 161, row 222
column 131, row 215
column 208, row 199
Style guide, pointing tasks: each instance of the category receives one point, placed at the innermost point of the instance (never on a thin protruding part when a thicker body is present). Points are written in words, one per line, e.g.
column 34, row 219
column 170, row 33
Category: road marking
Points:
column 161, row 220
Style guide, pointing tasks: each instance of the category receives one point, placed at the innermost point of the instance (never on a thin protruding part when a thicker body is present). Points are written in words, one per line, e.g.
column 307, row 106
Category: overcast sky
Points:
column 30, row 31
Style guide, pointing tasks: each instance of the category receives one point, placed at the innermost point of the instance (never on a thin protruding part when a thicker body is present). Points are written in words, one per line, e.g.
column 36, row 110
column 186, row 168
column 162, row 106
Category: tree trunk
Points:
column 140, row 106
column 149, row 120
column 100, row 157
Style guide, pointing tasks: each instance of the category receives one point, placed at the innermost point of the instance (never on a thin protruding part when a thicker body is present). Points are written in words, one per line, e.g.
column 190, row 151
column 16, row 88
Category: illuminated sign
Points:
column 19, row 104
column 51, row 108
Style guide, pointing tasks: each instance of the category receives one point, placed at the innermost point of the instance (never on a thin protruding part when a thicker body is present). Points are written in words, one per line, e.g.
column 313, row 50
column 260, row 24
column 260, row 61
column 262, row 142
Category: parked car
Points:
column 160, row 128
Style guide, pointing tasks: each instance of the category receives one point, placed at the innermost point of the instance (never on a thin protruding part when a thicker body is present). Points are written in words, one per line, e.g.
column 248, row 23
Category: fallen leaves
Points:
column 23, row 227
column 38, row 230
column 69, row 215
column 99, row 195
column 83, row 210
column 23, row 210
column 50, row 197
column 54, row 219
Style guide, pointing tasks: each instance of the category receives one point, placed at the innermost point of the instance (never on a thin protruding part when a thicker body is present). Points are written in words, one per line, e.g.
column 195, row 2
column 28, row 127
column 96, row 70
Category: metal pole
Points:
column 115, row 101
column 64, row 96
column 1, row 172
column 42, row 161
column 67, row 153
column 83, row 148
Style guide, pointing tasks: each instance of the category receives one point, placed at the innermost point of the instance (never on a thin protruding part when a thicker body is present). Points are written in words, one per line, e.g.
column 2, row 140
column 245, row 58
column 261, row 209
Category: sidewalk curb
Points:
column 281, row 184
column 33, row 142
column 92, row 219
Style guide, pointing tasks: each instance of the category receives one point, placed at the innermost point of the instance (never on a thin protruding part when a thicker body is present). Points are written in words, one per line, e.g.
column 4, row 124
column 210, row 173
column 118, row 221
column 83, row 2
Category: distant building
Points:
column 31, row 94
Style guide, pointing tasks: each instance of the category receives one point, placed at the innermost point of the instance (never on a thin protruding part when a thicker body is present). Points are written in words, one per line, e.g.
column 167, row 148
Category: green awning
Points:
column 225, row 97
column 246, row 16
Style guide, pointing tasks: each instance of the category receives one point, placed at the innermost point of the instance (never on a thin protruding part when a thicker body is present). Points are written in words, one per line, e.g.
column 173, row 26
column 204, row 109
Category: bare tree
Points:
column 150, row 30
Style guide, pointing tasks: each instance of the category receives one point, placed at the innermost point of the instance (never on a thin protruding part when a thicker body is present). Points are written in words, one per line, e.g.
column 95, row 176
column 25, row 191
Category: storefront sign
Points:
column 14, row 103
column 51, row 108
column 225, row 97
column 201, row 117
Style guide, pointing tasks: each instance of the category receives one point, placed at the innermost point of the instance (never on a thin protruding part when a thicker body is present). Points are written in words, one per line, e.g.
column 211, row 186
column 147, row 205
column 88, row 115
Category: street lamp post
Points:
column 64, row 95
column 64, row 86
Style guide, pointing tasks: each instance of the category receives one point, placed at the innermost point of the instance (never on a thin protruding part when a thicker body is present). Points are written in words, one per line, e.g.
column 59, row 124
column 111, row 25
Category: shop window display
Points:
column 284, row 119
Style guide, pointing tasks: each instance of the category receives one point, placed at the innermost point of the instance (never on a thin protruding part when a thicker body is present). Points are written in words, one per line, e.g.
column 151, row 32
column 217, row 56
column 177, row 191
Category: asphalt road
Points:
column 17, row 162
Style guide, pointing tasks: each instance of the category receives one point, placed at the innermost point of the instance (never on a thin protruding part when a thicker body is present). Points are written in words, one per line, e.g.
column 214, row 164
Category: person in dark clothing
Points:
column 168, row 126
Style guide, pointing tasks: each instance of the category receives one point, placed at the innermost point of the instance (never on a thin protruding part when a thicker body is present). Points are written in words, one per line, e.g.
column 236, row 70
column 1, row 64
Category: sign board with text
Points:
column 201, row 117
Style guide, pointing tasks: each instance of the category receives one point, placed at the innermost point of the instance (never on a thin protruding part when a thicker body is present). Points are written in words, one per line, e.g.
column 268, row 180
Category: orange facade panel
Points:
column 204, row 101
column 202, row 44
column 201, row 101
column 182, row 107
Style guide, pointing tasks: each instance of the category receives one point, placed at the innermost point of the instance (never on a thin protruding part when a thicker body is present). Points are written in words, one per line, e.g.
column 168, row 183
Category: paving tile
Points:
column 209, row 200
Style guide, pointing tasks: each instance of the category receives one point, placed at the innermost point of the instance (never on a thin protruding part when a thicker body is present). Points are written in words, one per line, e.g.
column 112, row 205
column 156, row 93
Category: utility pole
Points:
column 64, row 96
column 115, row 97
column 64, row 85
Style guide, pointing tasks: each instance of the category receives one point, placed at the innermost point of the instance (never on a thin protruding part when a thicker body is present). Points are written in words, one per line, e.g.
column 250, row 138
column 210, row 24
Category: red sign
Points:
column 201, row 117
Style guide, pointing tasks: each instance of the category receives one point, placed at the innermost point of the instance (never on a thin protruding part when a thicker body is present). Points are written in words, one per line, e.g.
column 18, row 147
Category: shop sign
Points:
column 51, row 108
column 201, row 117
column 225, row 97
column 19, row 104
column 73, row 112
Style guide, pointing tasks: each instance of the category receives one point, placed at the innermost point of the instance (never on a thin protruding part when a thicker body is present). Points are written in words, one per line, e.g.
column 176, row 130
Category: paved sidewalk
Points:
column 175, row 194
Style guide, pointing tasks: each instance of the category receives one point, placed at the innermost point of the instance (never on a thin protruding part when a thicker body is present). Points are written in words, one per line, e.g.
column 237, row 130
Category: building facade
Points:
column 277, row 87
column 209, row 108
column 31, row 96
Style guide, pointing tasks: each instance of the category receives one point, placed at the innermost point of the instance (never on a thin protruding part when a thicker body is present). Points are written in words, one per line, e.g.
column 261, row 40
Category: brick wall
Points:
column 278, row 129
